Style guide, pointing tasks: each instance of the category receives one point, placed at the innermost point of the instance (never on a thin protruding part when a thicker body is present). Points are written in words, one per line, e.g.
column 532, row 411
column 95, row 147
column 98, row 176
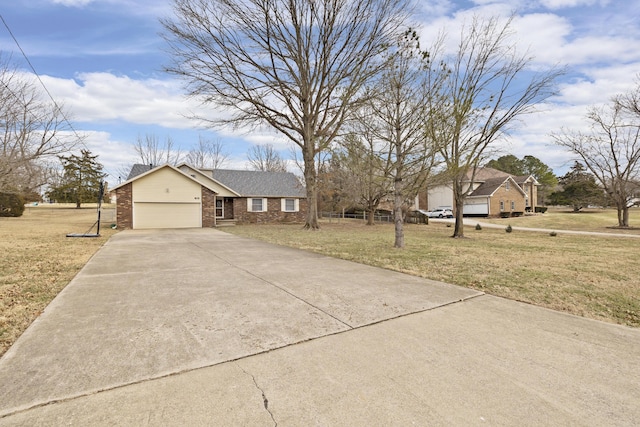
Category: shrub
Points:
column 478, row 226
column 553, row 234
column 540, row 209
column 508, row 229
column 11, row 205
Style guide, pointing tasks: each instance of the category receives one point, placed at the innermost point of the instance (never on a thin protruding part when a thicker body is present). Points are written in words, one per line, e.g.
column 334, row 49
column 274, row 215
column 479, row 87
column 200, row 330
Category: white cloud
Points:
column 112, row 154
column 100, row 97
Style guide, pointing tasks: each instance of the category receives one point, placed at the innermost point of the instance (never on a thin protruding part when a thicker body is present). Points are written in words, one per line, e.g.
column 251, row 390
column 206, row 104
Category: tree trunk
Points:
column 310, row 177
column 397, row 213
column 458, row 231
column 370, row 218
column 371, row 215
column 623, row 215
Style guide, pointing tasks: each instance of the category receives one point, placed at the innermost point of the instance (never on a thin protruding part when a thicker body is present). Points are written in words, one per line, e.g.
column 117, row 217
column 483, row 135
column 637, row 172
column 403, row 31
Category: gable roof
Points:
column 203, row 175
column 489, row 186
column 145, row 170
column 484, row 174
column 250, row 183
column 245, row 183
column 523, row 179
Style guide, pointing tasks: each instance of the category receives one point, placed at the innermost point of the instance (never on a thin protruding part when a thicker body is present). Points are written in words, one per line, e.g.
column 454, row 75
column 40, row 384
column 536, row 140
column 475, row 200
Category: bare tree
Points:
column 32, row 132
column 264, row 157
column 487, row 86
column 611, row 149
column 208, row 154
column 358, row 174
column 152, row 151
column 298, row 66
column 395, row 119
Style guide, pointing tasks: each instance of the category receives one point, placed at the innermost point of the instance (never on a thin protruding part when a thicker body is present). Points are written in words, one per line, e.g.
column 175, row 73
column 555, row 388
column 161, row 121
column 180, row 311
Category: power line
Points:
column 60, row 110
column 40, row 80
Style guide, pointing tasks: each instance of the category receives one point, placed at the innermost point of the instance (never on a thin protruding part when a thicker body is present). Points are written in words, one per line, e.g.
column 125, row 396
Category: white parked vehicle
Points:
column 440, row 213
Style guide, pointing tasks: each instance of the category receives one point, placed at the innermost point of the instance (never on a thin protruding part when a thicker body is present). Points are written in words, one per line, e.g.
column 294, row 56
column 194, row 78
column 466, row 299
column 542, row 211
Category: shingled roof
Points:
column 489, row 186
column 138, row 169
column 486, row 174
column 258, row 183
column 246, row 182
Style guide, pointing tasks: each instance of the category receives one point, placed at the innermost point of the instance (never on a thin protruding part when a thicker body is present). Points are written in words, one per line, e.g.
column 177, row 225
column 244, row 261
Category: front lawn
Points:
column 37, row 261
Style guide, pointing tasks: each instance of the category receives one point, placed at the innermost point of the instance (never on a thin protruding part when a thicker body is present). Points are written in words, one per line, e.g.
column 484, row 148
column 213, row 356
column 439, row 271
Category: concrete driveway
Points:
column 199, row 327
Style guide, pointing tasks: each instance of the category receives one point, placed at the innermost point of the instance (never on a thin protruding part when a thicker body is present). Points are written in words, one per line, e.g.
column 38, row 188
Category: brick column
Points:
column 124, row 207
column 208, row 207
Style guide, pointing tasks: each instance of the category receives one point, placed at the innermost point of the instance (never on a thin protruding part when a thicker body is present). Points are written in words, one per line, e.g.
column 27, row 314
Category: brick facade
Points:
column 234, row 208
column 274, row 213
column 208, row 208
column 507, row 197
column 124, row 207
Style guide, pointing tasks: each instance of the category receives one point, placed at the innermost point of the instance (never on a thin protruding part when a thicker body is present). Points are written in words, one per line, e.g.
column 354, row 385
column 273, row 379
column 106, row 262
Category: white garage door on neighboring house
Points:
column 166, row 215
column 476, row 206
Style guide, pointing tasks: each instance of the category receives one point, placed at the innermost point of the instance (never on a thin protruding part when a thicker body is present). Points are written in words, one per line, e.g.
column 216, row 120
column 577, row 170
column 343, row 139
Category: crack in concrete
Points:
column 265, row 401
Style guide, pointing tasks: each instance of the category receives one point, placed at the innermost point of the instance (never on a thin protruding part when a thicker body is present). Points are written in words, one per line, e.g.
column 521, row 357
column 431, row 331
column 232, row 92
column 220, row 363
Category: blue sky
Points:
column 103, row 60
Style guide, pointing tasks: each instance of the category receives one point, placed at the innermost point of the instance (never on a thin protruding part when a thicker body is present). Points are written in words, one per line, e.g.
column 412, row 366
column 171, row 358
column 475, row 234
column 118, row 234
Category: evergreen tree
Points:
column 579, row 189
column 509, row 164
column 81, row 181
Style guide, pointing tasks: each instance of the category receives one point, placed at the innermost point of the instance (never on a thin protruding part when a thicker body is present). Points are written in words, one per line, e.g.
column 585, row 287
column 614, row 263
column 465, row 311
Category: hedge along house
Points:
column 186, row 197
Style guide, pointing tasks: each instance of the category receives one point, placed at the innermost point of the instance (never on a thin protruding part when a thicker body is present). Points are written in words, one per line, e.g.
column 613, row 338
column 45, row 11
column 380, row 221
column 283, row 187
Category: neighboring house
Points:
column 494, row 193
column 185, row 197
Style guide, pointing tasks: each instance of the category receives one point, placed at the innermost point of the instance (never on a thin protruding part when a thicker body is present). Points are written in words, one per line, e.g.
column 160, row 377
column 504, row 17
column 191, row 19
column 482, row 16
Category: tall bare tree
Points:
column 208, row 154
column 488, row 85
column 395, row 118
column 611, row 148
column 152, row 151
column 298, row 66
column 33, row 131
column 264, row 157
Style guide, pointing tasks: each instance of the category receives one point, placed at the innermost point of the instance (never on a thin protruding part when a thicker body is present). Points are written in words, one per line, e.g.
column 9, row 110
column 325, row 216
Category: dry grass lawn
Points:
column 37, row 261
column 595, row 277
column 600, row 220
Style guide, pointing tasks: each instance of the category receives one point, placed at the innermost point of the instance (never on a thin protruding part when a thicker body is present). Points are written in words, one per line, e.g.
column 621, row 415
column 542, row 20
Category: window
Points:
column 290, row 205
column 513, row 206
column 507, row 185
column 219, row 208
column 257, row 205
column 501, row 206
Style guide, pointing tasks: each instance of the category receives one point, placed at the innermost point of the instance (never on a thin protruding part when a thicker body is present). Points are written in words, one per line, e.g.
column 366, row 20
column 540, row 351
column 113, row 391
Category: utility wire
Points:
column 64, row 116
column 40, row 80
